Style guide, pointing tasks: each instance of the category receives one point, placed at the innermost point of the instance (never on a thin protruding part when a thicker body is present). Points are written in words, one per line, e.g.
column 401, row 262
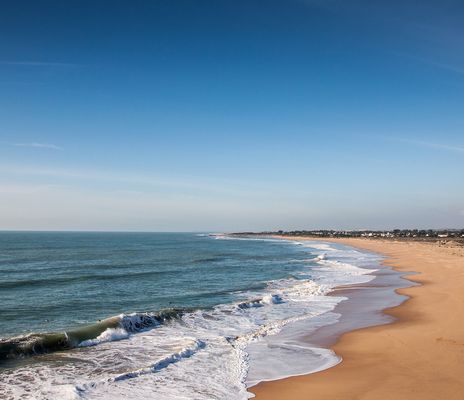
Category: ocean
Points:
column 165, row 315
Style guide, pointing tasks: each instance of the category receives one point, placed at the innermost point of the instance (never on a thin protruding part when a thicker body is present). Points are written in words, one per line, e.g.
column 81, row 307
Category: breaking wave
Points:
column 109, row 329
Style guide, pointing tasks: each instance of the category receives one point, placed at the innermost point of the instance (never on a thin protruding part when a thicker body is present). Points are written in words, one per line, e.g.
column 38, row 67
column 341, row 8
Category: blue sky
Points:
column 231, row 115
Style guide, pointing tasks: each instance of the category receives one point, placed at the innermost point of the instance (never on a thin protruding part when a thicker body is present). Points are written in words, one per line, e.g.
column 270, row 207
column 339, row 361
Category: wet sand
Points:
column 419, row 356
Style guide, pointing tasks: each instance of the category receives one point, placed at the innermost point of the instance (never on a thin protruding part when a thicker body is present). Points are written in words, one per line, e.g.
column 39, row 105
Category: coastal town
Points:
column 413, row 234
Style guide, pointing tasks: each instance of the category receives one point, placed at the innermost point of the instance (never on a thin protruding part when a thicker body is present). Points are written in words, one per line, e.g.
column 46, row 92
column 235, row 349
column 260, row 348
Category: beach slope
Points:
column 420, row 356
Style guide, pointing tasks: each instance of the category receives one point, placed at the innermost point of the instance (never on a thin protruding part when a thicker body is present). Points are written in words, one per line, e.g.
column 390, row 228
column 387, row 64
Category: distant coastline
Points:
column 421, row 235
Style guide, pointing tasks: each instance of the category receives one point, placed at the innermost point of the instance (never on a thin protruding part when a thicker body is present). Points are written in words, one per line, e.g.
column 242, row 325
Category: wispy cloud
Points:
column 37, row 63
column 148, row 183
column 422, row 143
column 433, row 145
column 445, row 66
column 448, row 67
column 38, row 145
column 458, row 69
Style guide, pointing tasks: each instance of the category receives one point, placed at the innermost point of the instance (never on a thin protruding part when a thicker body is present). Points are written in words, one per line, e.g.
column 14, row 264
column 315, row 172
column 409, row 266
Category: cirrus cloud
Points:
column 38, row 145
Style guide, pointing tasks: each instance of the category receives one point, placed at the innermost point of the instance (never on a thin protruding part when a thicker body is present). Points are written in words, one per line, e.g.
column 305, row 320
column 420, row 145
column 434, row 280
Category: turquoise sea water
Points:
column 170, row 316
column 56, row 281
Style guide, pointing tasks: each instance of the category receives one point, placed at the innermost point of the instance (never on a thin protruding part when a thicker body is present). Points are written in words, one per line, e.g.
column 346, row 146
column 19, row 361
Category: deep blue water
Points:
column 56, row 281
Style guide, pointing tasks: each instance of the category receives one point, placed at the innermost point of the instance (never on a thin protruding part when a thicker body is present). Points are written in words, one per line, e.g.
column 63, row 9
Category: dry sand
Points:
column 420, row 356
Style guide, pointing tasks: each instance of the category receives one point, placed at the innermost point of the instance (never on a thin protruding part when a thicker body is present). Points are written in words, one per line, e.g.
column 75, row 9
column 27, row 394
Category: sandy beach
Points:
column 419, row 356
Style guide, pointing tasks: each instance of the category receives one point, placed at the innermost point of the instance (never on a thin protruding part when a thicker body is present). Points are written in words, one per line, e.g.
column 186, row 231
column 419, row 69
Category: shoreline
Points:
column 361, row 306
column 355, row 305
column 419, row 353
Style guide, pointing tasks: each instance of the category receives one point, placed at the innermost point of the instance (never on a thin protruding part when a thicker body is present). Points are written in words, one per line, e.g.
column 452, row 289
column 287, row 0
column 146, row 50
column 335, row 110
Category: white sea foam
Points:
column 186, row 352
column 272, row 299
column 205, row 354
column 136, row 322
column 86, row 390
column 109, row 335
